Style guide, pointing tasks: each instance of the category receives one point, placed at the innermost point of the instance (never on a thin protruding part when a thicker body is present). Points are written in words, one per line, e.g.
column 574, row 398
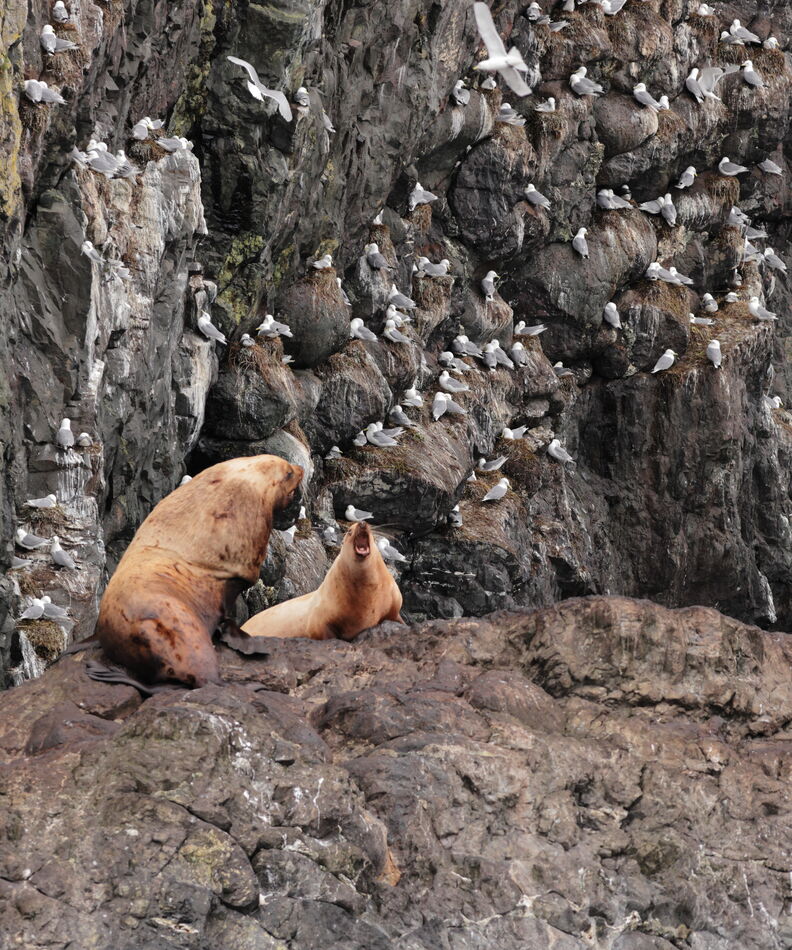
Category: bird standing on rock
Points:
column 488, row 285
column 460, row 93
column 583, row 86
column 751, row 76
column 356, row 514
column 209, row 330
column 389, row 552
column 518, row 354
column 536, row 197
column 374, row 258
column 64, row 438
column 51, row 43
column 358, row 331
column 645, row 98
column 774, row 261
column 497, row 491
column 392, row 334
column 665, row 362
column 714, row 353
column 400, row 300
column 451, row 385
column 730, row 169
column 769, row 167
column 757, row 310
column 59, row 556
column 580, row 244
column 611, row 315
column 559, row 453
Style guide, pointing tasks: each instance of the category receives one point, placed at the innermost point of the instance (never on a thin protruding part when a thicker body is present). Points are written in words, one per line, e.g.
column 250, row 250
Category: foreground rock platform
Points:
column 603, row 773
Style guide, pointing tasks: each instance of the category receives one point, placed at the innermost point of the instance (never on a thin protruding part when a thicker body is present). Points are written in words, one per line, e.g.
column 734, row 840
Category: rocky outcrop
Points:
column 604, row 772
column 680, row 490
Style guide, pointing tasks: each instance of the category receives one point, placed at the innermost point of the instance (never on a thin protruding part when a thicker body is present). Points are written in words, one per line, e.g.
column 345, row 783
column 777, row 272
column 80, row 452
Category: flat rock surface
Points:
column 604, row 773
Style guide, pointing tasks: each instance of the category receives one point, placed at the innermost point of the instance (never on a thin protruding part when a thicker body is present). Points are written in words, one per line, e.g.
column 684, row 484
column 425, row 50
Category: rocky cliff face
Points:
column 681, row 488
column 604, row 773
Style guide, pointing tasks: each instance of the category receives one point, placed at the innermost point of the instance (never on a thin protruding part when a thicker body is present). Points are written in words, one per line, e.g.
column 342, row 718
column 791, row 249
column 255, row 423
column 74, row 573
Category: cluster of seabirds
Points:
column 702, row 84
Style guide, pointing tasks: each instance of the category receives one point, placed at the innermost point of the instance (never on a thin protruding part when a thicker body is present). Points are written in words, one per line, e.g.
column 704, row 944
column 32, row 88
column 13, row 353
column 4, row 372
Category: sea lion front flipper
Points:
column 242, row 642
column 103, row 673
column 81, row 645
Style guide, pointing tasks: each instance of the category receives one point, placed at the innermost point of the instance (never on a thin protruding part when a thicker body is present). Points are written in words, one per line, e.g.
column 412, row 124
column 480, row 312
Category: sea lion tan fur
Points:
column 358, row 592
column 185, row 567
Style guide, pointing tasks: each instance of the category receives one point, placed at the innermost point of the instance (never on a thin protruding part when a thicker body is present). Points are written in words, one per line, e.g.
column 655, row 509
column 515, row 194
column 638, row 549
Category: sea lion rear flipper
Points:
column 115, row 674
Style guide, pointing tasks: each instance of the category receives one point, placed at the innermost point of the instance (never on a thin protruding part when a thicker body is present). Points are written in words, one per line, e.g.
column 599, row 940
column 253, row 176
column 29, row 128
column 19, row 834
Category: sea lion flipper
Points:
column 242, row 642
column 81, row 645
column 104, row 673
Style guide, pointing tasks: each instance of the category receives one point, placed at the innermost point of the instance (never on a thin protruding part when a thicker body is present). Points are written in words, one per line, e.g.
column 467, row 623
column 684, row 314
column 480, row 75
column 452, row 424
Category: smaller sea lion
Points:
column 358, row 592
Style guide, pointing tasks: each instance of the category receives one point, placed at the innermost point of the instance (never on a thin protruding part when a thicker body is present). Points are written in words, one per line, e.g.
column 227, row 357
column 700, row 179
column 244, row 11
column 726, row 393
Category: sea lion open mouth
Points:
column 361, row 541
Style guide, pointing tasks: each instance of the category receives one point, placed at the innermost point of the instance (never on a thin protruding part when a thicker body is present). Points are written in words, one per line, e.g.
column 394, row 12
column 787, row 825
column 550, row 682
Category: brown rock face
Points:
column 605, row 769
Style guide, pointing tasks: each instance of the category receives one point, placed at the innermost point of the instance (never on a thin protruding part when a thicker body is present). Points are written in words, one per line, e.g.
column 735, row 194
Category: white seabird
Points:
column 510, row 64
column 259, row 91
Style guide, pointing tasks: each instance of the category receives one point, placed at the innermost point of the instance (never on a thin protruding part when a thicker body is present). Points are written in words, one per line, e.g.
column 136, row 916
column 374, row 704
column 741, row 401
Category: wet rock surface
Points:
column 603, row 772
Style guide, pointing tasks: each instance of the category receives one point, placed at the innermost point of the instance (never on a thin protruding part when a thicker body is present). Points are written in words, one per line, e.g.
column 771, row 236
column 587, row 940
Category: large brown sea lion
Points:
column 358, row 592
column 185, row 567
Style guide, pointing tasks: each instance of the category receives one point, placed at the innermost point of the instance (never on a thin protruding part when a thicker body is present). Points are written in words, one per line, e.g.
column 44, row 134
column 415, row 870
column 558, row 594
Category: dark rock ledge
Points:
column 603, row 773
